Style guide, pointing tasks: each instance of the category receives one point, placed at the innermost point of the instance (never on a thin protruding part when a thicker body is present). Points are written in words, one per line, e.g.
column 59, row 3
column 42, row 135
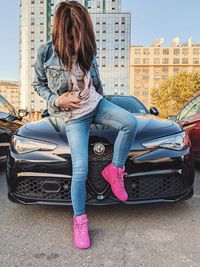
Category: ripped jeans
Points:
column 77, row 131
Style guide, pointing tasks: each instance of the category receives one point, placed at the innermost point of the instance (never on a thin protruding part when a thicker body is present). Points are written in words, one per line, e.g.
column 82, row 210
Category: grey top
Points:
column 82, row 84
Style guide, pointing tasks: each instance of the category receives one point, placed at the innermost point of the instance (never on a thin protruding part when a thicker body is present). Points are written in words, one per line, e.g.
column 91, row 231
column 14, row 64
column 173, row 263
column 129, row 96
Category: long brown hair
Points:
column 72, row 21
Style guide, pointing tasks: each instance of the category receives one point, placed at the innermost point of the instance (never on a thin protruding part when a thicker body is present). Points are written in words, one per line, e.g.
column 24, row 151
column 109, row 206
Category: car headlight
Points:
column 23, row 145
column 178, row 141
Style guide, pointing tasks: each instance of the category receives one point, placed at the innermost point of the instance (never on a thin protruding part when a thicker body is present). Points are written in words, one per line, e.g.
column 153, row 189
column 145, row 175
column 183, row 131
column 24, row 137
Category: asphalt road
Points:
column 121, row 235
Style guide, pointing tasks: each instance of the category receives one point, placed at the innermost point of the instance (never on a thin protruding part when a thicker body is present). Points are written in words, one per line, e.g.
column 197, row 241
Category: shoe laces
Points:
column 82, row 226
column 120, row 176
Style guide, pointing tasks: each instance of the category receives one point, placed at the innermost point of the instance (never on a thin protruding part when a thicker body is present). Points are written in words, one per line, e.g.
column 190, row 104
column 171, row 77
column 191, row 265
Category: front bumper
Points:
column 156, row 176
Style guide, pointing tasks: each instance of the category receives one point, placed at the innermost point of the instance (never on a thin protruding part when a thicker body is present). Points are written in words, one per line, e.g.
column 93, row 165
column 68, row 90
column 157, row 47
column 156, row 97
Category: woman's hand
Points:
column 68, row 100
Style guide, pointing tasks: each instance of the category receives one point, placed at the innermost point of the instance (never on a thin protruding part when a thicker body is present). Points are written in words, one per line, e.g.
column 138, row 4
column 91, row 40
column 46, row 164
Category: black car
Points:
column 159, row 166
column 10, row 121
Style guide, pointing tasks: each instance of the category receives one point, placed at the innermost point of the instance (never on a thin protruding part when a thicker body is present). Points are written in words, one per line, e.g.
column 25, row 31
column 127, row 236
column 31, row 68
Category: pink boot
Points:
column 81, row 236
column 115, row 177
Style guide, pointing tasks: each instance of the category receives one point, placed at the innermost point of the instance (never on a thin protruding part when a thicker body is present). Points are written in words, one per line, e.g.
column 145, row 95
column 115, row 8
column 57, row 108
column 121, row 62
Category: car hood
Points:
column 149, row 127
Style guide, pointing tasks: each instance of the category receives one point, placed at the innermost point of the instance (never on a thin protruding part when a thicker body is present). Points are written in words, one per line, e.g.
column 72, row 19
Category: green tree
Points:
column 175, row 92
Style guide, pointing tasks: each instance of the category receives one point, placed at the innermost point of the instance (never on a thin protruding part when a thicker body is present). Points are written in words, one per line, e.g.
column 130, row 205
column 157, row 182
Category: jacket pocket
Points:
column 53, row 77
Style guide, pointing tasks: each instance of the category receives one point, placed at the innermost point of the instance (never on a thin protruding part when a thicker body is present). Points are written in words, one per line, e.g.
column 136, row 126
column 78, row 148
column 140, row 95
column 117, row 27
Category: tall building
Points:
column 33, row 32
column 152, row 64
column 113, row 37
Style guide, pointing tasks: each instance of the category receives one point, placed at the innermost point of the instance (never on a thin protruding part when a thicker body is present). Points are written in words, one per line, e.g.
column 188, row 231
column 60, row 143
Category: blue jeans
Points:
column 77, row 131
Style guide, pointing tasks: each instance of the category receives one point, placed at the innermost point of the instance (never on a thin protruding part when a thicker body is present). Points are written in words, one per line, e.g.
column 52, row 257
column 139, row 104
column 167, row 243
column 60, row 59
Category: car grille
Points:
column 156, row 186
column 144, row 187
column 96, row 164
column 34, row 188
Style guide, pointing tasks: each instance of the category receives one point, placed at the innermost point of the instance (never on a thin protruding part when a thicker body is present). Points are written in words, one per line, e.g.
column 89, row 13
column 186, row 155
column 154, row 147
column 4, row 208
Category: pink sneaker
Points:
column 115, row 177
column 81, row 235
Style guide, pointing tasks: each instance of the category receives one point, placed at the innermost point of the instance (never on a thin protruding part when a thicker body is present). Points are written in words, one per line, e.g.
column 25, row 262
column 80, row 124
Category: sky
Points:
column 150, row 19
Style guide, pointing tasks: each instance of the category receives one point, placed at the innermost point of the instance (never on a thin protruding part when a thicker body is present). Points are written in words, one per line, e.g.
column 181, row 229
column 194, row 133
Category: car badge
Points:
column 99, row 148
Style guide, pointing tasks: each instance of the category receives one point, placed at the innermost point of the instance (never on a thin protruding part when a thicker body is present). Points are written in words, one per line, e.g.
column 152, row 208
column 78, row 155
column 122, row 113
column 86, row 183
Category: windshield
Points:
column 192, row 108
column 129, row 103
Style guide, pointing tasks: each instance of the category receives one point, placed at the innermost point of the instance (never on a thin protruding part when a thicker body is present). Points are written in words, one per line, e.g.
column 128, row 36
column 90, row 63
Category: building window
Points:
column 165, row 70
column 196, row 51
column 176, row 60
column 165, row 51
column 156, row 60
column 156, row 78
column 136, row 93
column 145, row 70
column 165, row 61
column 185, row 51
column 157, row 70
column 145, row 78
column 184, row 60
column 32, row 21
column 145, row 61
column 195, row 69
column 137, row 60
column 146, row 52
column 145, row 93
column 175, row 70
column 195, row 60
column 137, row 51
column 123, row 20
column 137, row 70
column 176, row 51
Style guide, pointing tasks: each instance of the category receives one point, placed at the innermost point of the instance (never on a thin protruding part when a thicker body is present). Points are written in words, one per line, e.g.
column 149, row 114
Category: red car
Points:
column 189, row 119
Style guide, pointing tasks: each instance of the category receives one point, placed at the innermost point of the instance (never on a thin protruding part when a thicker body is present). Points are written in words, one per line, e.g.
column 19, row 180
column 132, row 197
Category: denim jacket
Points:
column 52, row 79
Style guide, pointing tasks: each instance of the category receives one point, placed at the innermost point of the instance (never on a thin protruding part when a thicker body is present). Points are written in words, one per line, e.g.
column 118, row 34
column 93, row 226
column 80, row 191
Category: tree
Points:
column 175, row 92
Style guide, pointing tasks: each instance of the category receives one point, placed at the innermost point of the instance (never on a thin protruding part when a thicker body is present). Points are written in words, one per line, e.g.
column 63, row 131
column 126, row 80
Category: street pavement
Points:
column 121, row 235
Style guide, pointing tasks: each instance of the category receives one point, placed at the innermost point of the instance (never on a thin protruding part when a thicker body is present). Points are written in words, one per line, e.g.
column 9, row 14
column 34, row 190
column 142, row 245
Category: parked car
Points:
column 159, row 166
column 10, row 121
column 189, row 119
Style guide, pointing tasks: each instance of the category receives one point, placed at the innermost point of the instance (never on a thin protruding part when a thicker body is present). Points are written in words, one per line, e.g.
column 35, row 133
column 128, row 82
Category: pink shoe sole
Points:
column 81, row 246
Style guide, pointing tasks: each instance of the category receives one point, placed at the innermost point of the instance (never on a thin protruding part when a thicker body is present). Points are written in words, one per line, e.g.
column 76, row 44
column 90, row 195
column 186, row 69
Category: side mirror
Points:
column 22, row 113
column 172, row 117
column 154, row 111
column 44, row 113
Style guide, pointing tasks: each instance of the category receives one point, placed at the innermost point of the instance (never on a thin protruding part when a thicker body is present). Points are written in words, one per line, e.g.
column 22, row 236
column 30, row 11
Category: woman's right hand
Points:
column 68, row 100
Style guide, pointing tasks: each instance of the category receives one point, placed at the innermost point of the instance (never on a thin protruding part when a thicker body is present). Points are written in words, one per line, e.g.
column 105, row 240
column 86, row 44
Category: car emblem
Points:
column 99, row 148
